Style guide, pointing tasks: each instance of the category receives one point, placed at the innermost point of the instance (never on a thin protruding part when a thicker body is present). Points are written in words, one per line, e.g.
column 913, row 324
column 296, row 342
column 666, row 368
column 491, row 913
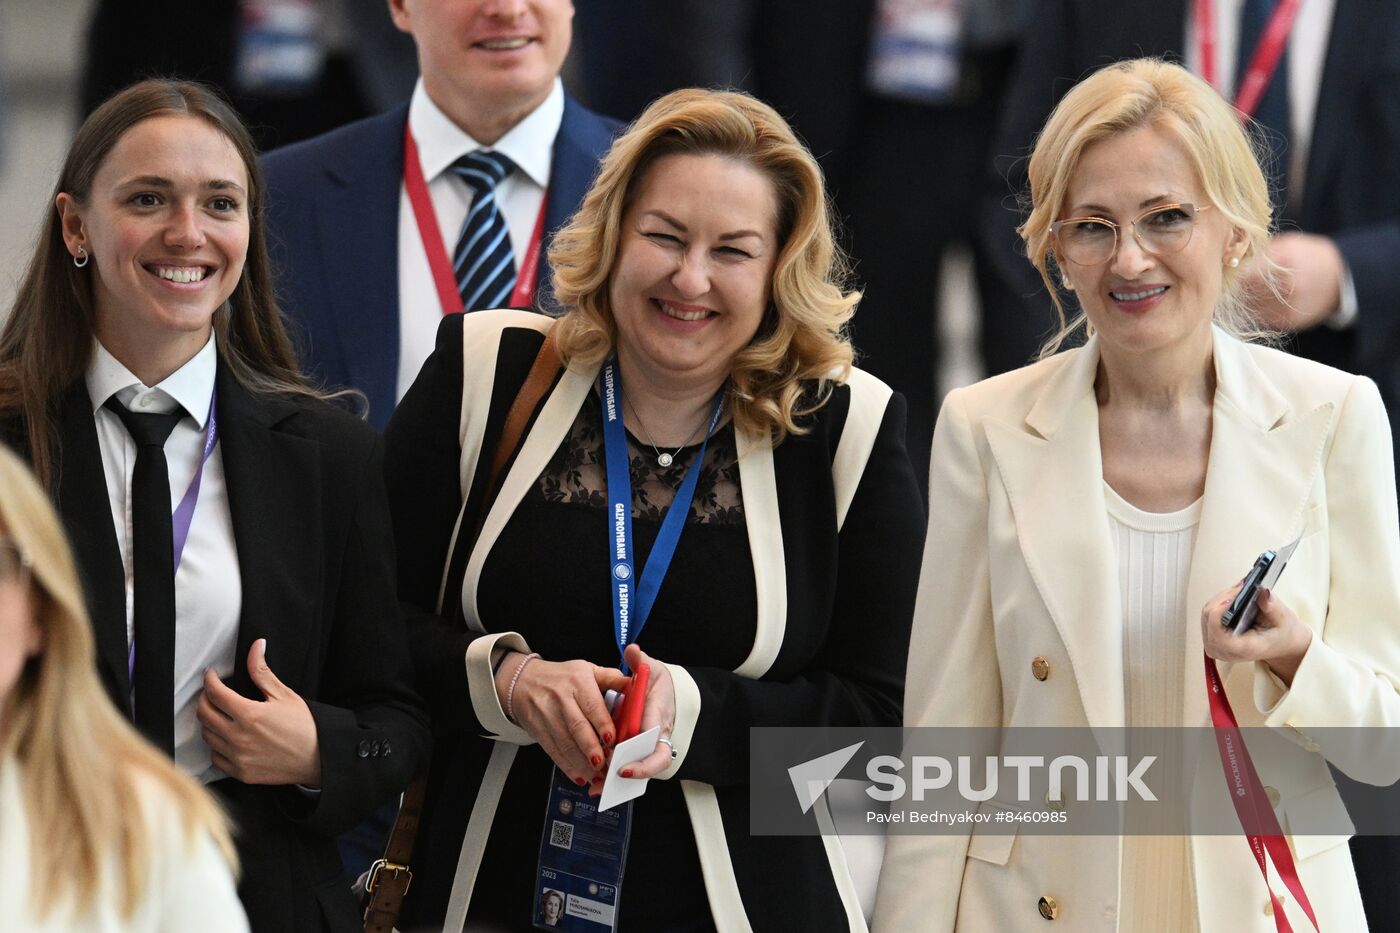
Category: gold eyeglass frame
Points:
column 1185, row 207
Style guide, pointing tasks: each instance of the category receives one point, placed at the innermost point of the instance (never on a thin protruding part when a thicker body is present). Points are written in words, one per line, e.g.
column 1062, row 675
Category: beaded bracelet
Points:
column 515, row 678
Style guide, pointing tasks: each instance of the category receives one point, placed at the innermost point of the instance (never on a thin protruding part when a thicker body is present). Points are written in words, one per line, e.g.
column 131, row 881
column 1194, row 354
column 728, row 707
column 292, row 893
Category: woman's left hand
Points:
column 1279, row 638
column 659, row 710
column 270, row 741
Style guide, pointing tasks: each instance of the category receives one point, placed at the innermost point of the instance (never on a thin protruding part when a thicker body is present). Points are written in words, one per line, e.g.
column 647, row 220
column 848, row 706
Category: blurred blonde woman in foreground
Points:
column 98, row 831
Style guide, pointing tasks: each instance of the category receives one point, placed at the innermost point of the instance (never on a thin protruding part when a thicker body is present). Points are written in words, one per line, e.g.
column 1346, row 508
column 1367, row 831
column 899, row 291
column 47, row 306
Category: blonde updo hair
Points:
column 1132, row 95
column 801, row 349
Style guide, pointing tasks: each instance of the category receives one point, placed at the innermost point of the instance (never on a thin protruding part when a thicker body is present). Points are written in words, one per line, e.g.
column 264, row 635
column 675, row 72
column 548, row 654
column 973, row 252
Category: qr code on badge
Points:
column 561, row 835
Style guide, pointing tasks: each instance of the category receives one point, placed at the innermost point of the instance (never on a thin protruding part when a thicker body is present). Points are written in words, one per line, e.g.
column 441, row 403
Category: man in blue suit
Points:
column 369, row 256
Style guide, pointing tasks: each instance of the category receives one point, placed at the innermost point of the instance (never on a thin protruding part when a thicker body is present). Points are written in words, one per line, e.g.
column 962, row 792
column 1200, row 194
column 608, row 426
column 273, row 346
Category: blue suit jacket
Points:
column 333, row 221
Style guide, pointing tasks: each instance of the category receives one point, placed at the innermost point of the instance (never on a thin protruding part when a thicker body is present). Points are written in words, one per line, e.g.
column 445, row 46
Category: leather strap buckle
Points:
column 386, row 865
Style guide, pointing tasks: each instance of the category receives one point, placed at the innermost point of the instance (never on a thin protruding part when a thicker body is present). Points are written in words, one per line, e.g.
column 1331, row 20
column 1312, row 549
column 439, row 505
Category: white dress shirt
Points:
column 529, row 144
column 208, row 587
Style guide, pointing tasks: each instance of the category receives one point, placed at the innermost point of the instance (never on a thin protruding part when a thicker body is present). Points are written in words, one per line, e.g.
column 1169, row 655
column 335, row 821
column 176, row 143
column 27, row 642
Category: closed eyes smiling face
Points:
column 1159, row 288
column 694, row 266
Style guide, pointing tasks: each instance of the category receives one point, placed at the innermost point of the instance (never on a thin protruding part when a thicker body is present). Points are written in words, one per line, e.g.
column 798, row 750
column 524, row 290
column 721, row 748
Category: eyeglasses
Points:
column 14, row 566
column 1161, row 231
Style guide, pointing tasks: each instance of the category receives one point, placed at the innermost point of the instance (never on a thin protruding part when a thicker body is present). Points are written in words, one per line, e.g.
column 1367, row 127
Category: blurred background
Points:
column 59, row 57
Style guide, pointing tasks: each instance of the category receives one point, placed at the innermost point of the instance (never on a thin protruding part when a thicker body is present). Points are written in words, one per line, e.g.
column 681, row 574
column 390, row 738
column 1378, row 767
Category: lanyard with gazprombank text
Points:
column 1256, row 815
column 633, row 597
column 521, row 296
column 1262, row 64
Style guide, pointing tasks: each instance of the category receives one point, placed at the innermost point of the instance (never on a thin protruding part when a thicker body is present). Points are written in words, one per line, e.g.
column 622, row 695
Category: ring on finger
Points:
column 667, row 741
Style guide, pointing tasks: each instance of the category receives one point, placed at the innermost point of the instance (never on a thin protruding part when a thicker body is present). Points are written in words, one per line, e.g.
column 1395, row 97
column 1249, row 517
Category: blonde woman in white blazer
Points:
column 99, row 832
column 1166, row 430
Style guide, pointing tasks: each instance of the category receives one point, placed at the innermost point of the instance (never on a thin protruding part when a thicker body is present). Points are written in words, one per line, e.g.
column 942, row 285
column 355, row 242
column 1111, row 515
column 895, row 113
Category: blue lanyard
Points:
column 632, row 600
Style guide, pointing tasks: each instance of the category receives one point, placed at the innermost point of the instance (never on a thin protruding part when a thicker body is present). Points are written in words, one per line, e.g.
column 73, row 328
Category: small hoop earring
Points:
column 1234, row 262
column 82, row 258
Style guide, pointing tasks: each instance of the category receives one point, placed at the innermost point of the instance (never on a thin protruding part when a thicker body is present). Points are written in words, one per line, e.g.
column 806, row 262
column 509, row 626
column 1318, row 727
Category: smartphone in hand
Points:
column 1243, row 610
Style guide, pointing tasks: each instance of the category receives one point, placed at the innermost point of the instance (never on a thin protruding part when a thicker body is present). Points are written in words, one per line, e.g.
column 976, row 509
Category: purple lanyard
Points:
column 183, row 516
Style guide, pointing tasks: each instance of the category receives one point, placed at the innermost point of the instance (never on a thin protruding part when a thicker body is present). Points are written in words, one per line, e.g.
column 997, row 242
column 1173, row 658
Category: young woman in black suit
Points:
column 230, row 525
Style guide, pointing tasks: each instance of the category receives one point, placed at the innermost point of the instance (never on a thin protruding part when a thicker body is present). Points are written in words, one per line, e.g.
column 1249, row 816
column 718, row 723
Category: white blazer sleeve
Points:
column 953, row 677
column 1350, row 676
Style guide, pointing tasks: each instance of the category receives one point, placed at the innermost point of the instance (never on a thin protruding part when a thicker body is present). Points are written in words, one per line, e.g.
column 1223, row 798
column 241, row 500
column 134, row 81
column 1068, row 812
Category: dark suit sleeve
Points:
column 370, row 723
column 421, row 467
column 1370, row 254
column 856, row 675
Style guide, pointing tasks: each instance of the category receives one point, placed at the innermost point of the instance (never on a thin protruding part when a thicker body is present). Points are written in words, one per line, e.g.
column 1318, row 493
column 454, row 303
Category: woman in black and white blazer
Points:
column 267, row 656
column 700, row 267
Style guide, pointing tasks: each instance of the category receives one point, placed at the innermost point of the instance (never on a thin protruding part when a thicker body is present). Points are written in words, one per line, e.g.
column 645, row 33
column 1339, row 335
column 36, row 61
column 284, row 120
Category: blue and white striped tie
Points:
column 483, row 262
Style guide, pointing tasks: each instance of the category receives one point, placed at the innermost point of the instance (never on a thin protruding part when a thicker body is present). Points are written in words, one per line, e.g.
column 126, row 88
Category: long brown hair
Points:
column 90, row 782
column 47, row 339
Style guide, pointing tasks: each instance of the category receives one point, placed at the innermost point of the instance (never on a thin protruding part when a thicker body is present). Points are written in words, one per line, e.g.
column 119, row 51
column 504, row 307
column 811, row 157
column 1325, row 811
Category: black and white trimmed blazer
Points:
column 835, row 524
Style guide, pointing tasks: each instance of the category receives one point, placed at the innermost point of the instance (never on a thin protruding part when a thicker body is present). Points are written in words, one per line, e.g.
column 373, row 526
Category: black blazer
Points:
column 315, row 554
column 829, row 650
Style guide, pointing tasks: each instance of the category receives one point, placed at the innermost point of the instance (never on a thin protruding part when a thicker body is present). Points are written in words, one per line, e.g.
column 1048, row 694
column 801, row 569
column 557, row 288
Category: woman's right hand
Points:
column 560, row 704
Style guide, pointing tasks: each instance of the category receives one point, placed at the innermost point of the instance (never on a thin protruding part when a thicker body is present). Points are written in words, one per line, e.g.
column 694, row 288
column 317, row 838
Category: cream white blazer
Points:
column 1019, row 565
column 190, row 886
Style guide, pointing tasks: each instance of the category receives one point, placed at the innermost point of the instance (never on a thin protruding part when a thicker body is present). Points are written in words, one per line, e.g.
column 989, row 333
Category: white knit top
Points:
column 1154, row 564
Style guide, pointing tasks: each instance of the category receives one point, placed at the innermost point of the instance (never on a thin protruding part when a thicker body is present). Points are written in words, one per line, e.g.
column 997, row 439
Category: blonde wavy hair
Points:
column 84, row 765
column 802, row 349
column 1131, row 95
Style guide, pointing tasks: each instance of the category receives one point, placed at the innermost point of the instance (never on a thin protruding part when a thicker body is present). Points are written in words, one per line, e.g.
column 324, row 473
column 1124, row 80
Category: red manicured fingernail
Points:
column 626, row 772
column 596, row 760
column 580, row 781
column 607, row 738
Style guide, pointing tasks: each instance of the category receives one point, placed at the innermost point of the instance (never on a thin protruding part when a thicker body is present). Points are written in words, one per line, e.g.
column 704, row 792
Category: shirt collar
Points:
column 529, row 144
column 190, row 387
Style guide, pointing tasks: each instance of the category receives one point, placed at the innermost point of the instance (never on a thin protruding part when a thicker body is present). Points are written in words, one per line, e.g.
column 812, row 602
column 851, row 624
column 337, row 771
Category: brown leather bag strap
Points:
column 390, row 877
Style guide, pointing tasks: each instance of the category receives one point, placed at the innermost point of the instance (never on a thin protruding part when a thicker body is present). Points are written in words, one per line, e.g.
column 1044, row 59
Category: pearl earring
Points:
column 1234, row 262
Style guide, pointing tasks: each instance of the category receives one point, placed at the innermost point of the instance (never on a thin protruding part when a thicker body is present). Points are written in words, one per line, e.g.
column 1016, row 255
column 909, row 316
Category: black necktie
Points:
column 153, row 568
column 1273, row 115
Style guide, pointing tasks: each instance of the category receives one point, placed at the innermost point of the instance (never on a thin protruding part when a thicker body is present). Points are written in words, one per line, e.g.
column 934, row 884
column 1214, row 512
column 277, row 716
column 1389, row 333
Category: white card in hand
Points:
column 618, row 789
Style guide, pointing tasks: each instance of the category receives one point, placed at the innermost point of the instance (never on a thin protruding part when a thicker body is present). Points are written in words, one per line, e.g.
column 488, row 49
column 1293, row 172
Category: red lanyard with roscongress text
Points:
column 1261, row 826
column 1262, row 64
column 521, row 296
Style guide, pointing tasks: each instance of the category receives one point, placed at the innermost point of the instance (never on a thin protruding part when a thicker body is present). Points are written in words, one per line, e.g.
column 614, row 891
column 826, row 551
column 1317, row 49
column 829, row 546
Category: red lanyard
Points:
column 522, row 296
column 1251, row 804
column 1262, row 64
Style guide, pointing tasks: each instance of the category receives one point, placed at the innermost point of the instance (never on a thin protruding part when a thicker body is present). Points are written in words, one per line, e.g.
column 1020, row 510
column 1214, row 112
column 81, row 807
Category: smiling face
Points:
column 502, row 54
column 1138, row 301
column 694, row 267
column 166, row 225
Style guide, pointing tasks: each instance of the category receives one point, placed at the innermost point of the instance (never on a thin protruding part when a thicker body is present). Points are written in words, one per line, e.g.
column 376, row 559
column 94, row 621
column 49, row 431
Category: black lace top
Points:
column 546, row 577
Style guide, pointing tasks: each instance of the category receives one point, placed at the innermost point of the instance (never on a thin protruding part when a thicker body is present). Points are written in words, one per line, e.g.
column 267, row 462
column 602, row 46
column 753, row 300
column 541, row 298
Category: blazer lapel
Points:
column 551, row 425
column 582, row 140
column 274, row 495
column 1053, row 473
column 87, row 517
column 358, row 218
column 1264, row 460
